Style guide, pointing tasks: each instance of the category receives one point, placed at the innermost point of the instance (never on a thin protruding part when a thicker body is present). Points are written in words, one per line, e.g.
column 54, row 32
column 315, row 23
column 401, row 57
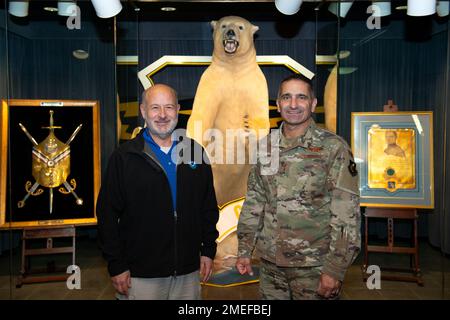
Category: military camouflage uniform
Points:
column 305, row 218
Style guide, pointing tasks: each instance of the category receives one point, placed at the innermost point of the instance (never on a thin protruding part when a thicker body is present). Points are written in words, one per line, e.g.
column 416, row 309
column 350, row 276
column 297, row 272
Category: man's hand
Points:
column 329, row 287
column 122, row 282
column 206, row 269
column 243, row 265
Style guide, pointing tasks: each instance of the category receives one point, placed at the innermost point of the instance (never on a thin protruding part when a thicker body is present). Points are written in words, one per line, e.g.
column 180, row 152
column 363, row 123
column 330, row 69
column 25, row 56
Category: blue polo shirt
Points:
column 165, row 159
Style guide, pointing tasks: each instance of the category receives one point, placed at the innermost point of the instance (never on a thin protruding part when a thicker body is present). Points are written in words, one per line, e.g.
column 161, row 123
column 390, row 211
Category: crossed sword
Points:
column 36, row 184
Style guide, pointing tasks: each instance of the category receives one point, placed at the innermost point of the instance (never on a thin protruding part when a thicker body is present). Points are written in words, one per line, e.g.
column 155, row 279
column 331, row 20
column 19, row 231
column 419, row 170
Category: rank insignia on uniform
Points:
column 315, row 149
column 352, row 168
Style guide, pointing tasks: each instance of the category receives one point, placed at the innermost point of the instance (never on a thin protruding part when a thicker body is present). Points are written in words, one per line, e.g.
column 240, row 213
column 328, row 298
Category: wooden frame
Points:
column 16, row 163
column 394, row 155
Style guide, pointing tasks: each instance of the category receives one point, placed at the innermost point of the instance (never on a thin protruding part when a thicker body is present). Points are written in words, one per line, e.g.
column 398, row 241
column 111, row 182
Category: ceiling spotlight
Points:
column 420, row 8
column 67, row 8
column 51, row 9
column 168, row 9
column 107, row 8
column 80, row 54
column 288, row 7
column 442, row 8
column 344, row 54
column 340, row 8
column 18, row 8
column 381, row 8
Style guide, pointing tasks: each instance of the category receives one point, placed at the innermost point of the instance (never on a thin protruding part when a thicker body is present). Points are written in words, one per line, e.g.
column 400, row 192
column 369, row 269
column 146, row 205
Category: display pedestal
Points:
column 49, row 274
column 390, row 214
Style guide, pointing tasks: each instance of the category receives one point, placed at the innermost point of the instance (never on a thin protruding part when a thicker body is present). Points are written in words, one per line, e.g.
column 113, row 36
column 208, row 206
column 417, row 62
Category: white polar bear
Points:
column 232, row 94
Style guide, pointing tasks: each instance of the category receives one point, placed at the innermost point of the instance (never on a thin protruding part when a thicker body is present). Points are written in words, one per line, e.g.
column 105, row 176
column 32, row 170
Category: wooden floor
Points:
column 96, row 284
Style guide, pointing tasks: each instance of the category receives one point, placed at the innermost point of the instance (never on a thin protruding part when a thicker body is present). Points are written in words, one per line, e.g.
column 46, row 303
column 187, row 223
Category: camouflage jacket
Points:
column 307, row 212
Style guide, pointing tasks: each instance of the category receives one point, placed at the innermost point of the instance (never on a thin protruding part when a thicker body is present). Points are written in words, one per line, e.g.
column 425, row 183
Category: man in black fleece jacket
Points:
column 157, row 210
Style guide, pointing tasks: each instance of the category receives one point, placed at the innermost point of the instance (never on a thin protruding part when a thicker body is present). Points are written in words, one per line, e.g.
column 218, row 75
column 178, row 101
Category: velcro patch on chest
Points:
column 315, row 149
column 313, row 153
column 311, row 156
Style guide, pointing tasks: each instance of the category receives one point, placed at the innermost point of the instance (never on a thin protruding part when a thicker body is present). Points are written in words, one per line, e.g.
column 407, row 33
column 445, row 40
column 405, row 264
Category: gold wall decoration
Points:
column 50, row 164
column 38, row 179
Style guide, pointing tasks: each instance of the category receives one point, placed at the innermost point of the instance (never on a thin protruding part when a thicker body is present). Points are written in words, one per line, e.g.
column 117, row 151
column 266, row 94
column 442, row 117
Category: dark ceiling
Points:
column 254, row 11
column 206, row 11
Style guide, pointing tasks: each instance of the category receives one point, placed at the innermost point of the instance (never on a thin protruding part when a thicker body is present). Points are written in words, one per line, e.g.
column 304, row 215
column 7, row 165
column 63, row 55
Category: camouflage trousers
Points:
column 288, row 283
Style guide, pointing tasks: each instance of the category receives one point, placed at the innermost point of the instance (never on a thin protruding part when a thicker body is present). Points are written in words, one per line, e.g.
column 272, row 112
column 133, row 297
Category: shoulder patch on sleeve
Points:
column 348, row 174
column 352, row 168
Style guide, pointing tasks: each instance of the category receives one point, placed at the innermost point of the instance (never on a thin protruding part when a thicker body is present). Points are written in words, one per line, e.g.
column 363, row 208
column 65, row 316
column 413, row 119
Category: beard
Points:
column 162, row 133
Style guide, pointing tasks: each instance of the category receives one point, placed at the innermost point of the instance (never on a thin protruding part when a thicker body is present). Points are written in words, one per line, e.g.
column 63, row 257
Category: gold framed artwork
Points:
column 50, row 162
column 394, row 156
column 391, row 159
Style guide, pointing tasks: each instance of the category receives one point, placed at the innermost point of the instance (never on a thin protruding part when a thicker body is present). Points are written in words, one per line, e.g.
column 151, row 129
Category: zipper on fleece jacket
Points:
column 175, row 236
column 175, row 215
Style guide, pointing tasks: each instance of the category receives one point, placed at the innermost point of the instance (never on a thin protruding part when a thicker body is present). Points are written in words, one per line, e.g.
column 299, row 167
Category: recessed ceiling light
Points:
column 344, row 54
column 51, row 9
column 80, row 54
column 401, row 8
column 167, row 9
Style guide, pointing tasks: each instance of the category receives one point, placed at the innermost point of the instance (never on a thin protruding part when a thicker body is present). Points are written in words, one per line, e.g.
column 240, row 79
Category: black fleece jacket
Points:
column 139, row 230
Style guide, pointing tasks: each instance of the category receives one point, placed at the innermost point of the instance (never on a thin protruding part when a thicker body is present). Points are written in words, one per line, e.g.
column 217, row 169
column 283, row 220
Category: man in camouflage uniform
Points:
column 304, row 219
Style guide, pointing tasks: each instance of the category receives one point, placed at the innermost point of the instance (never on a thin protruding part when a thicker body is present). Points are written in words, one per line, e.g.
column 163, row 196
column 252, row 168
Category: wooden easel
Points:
column 390, row 214
column 48, row 274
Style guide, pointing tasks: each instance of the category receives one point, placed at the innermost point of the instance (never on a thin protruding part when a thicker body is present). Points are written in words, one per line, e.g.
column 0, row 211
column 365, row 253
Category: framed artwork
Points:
column 50, row 163
column 394, row 156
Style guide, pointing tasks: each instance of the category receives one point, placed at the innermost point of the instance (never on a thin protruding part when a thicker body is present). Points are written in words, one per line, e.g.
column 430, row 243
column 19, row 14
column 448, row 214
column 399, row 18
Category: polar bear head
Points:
column 233, row 36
